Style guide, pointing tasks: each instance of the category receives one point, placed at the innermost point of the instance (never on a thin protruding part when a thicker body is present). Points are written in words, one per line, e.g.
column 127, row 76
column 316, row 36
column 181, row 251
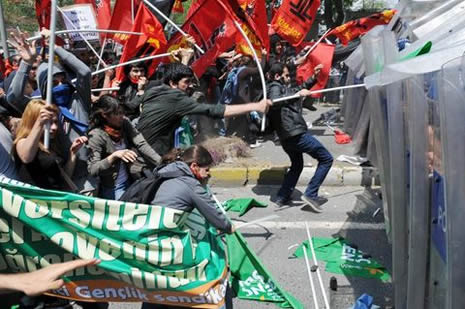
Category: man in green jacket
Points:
column 163, row 108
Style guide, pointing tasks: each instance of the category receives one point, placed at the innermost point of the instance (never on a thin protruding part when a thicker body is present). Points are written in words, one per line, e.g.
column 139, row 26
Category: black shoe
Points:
column 281, row 201
column 314, row 203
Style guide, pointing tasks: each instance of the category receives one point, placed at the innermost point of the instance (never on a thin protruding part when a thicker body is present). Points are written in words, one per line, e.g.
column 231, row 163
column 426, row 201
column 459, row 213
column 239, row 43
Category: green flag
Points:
column 242, row 205
column 250, row 279
column 420, row 51
column 341, row 258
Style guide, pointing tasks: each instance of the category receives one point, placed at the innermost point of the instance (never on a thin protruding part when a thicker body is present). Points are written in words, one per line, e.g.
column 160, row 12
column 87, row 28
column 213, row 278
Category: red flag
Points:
column 122, row 18
column 43, row 8
column 294, row 19
column 212, row 28
column 355, row 28
column 103, row 10
column 178, row 7
column 323, row 54
column 139, row 46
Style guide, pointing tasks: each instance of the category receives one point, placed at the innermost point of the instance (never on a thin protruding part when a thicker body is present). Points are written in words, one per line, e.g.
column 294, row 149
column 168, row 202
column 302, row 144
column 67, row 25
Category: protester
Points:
column 7, row 164
column 132, row 86
column 287, row 120
column 164, row 106
column 188, row 190
column 74, row 102
column 115, row 146
column 46, row 168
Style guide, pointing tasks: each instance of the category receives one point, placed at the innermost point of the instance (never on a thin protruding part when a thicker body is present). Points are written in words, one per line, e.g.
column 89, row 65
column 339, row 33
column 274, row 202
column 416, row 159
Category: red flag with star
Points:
column 152, row 42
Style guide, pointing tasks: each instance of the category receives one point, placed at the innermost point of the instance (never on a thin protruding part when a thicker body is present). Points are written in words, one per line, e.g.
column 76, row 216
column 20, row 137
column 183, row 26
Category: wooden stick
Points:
column 295, row 96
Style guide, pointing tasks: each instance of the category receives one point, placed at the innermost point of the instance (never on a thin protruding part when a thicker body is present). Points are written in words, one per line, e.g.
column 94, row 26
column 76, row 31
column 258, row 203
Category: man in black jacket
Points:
column 163, row 108
column 286, row 118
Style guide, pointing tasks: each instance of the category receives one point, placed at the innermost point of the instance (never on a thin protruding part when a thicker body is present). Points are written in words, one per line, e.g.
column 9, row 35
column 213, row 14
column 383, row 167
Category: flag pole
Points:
column 259, row 67
column 315, row 262
column 171, row 23
column 51, row 58
column 296, row 96
column 130, row 62
column 312, row 285
column 132, row 11
column 316, row 43
column 3, row 35
column 87, row 42
column 33, row 38
column 101, row 53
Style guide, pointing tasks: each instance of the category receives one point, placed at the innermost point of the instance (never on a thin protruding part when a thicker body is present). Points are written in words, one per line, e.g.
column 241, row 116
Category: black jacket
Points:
column 162, row 112
column 286, row 117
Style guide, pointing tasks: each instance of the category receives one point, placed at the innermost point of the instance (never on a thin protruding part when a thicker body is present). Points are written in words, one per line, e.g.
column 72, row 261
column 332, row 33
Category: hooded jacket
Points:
column 186, row 193
column 79, row 106
column 163, row 108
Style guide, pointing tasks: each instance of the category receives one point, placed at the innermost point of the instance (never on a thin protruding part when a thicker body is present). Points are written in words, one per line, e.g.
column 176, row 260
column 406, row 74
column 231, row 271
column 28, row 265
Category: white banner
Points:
column 80, row 16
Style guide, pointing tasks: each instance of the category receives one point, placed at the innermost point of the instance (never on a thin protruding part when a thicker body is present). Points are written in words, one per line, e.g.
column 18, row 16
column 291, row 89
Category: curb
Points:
column 337, row 176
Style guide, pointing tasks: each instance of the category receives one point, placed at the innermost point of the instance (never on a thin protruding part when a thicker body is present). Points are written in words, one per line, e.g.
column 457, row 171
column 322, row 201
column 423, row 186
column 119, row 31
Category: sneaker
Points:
column 314, row 203
column 281, row 201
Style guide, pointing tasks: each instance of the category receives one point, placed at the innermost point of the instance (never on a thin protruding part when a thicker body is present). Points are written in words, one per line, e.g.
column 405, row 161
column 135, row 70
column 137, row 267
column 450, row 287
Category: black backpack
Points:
column 143, row 190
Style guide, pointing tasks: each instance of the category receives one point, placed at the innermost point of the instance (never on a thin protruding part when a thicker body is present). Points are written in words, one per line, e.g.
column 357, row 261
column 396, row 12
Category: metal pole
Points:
column 312, row 285
column 171, row 23
column 101, row 53
column 295, row 96
column 130, row 62
column 260, row 71
column 87, row 30
column 318, row 274
column 3, row 35
column 51, row 57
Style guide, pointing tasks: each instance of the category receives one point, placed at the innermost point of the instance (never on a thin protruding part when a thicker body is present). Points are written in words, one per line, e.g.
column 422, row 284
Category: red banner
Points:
column 43, row 8
column 355, row 28
column 294, row 19
column 122, row 18
column 213, row 30
column 103, row 10
column 139, row 46
column 254, row 24
column 323, row 54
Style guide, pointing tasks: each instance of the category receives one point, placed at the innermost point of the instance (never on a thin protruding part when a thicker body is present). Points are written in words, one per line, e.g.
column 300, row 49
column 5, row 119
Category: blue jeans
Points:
column 114, row 193
column 295, row 147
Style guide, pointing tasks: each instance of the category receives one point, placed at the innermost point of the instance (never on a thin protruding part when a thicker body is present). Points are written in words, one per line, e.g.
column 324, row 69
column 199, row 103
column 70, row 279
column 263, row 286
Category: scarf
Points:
column 61, row 96
column 115, row 134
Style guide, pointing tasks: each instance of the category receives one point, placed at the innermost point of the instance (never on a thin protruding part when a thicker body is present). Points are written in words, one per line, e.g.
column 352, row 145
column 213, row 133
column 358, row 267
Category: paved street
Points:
column 349, row 213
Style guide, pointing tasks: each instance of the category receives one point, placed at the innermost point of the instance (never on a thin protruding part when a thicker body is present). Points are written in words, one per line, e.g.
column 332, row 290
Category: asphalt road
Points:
column 349, row 213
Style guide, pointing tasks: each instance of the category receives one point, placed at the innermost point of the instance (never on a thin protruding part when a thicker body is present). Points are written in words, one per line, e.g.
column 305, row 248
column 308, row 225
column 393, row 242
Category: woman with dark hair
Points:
column 131, row 87
column 188, row 190
column 111, row 140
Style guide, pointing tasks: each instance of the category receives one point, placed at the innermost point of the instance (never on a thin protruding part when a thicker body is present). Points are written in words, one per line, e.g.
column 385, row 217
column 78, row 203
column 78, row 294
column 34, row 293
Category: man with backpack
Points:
column 163, row 108
column 286, row 118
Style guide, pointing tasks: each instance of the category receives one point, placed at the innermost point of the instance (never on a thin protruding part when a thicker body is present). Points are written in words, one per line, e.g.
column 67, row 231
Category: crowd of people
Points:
column 103, row 141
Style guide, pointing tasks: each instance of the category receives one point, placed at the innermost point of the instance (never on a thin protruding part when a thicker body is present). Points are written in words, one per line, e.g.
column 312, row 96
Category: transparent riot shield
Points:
column 438, row 259
column 419, row 188
column 396, row 138
column 451, row 213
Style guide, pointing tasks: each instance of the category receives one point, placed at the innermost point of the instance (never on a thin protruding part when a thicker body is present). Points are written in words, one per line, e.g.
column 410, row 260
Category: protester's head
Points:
column 33, row 72
column 62, row 89
column 280, row 72
column 107, row 111
column 276, row 44
column 196, row 157
column 14, row 60
column 135, row 71
column 247, row 60
column 179, row 76
column 29, row 118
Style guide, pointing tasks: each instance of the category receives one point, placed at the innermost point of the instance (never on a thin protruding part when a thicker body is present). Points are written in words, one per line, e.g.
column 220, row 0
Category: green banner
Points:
column 242, row 205
column 341, row 258
column 149, row 253
column 250, row 279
